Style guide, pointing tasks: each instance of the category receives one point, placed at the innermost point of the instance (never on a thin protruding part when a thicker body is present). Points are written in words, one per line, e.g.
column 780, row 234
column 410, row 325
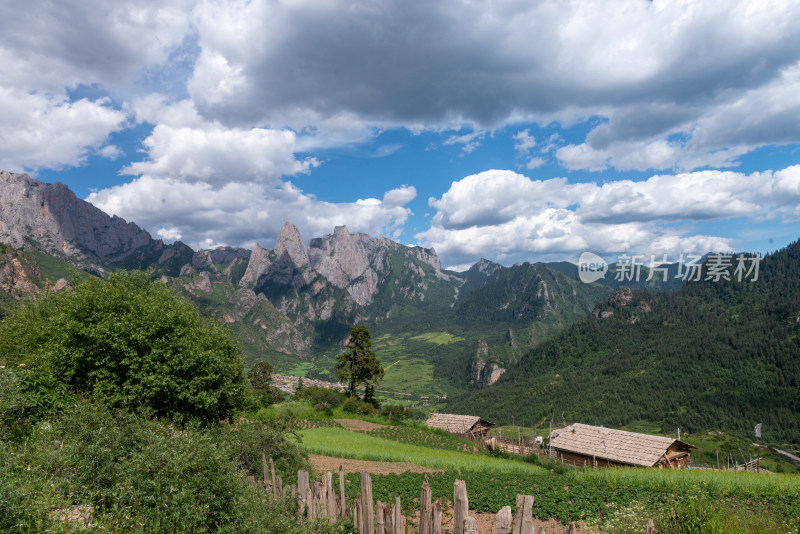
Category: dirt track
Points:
column 358, row 425
column 327, row 463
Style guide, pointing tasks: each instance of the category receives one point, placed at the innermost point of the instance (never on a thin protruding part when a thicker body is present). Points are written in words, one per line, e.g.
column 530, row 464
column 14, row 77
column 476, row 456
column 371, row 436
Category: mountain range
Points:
column 528, row 339
column 295, row 303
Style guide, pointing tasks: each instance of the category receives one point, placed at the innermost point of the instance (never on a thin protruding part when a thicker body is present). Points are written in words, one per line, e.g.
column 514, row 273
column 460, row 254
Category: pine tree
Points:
column 358, row 365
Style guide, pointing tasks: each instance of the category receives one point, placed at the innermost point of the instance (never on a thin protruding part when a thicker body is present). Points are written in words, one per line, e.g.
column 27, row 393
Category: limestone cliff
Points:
column 50, row 218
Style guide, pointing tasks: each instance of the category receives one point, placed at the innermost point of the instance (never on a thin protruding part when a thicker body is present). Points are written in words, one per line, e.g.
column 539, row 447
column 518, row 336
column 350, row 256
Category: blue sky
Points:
column 514, row 131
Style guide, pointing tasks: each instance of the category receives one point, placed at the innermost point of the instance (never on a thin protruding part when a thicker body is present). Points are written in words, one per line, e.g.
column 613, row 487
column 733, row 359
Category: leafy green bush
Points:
column 323, row 399
column 14, row 402
column 397, row 413
column 141, row 476
column 129, row 341
column 248, row 441
column 358, row 407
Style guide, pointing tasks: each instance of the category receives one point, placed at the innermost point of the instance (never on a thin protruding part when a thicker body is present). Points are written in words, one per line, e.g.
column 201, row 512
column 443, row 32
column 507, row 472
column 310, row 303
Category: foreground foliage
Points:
column 129, row 341
column 131, row 474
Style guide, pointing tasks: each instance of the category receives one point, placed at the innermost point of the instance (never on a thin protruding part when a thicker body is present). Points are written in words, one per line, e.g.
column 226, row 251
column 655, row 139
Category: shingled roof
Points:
column 457, row 424
column 614, row 445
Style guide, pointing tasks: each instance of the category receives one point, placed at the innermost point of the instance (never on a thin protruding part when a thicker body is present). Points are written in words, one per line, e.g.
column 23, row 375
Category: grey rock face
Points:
column 289, row 242
column 484, row 374
column 257, row 266
column 50, row 217
column 349, row 261
column 486, row 267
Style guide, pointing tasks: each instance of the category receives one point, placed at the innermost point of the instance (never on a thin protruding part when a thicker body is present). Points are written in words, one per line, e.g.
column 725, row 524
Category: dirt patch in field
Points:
column 358, row 425
column 328, row 463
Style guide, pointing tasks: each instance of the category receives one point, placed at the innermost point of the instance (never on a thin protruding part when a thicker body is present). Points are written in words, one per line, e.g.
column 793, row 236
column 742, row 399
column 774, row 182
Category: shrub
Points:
column 14, row 402
column 323, row 399
column 358, row 407
column 131, row 342
column 248, row 441
column 142, row 476
column 397, row 413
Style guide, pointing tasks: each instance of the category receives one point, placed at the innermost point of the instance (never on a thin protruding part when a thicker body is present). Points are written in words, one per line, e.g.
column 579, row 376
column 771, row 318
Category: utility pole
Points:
column 679, row 433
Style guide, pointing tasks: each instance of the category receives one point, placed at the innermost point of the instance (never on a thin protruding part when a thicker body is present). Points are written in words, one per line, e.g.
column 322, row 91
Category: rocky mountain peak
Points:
column 485, row 266
column 258, row 265
column 51, row 218
column 290, row 242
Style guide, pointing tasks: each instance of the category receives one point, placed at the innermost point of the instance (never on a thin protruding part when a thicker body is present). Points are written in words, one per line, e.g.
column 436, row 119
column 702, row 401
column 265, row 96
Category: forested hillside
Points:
column 722, row 354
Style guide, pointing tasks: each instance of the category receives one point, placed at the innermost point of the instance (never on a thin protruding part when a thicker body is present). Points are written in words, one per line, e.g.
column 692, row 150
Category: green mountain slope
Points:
column 712, row 355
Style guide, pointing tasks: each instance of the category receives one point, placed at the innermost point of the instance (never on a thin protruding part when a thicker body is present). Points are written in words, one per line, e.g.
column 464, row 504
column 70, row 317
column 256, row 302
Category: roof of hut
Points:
column 615, row 445
column 457, row 424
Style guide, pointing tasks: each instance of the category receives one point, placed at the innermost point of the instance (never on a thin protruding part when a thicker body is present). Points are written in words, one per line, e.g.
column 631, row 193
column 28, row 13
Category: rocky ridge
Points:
column 50, row 218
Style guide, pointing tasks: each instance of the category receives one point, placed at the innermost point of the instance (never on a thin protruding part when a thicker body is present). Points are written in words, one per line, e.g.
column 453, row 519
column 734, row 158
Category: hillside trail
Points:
column 329, row 463
column 359, row 425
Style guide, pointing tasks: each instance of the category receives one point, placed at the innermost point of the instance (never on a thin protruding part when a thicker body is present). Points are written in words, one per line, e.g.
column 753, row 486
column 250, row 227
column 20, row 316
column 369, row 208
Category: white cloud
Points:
column 524, row 141
column 308, row 64
column 42, row 131
column 534, row 162
column 217, row 155
column 469, row 141
column 47, row 46
column 242, row 214
column 400, row 196
column 110, row 152
column 509, row 217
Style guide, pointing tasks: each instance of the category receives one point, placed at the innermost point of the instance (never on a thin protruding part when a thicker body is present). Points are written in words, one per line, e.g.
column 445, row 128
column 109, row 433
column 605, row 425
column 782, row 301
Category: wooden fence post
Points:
column 460, row 505
column 311, row 507
column 264, row 467
column 380, row 522
column 399, row 520
column 425, row 511
column 367, row 512
column 272, row 473
column 502, row 522
column 302, row 492
column 524, row 505
column 570, row 529
column 650, row 528
column 437, row 517
column 388, row 517
column 330, row 497
column 527, row 526
column 342, row 500
column 470, row 526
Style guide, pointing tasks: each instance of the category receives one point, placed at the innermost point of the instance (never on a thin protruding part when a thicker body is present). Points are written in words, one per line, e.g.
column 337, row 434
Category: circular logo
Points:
column 591, row 267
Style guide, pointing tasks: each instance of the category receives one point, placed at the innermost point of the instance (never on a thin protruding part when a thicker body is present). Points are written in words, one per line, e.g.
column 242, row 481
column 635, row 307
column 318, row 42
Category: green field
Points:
column 346, row 444
column 613, row 500
column 440, row 338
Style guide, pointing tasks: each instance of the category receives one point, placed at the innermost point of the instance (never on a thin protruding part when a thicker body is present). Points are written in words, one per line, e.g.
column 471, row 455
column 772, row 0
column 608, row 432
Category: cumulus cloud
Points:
column 48, row 46
column 186, row 147
column 400, row 196
column 42, row 131
column 214, row 154
column 509, row 217
column 242, row 214
column 52, row 51
column 208, row 185
column 430, row 65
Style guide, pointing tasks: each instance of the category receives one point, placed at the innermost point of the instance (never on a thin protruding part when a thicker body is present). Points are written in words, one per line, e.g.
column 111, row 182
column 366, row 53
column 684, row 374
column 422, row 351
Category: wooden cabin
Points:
column 586, row 445
column 471, row 426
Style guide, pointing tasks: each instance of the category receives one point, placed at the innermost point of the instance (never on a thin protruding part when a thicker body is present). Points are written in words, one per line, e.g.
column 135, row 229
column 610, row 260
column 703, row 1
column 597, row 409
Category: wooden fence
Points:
column 318, row 499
